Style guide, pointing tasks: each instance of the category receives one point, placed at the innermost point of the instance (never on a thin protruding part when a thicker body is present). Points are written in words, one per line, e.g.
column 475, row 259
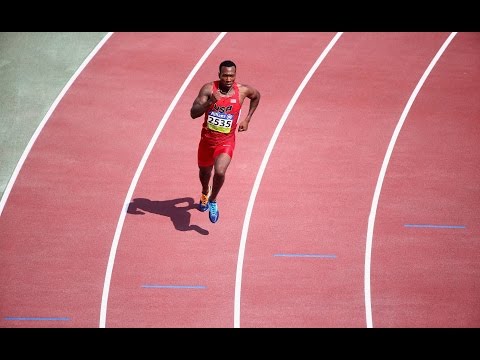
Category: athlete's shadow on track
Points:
column 179, row 215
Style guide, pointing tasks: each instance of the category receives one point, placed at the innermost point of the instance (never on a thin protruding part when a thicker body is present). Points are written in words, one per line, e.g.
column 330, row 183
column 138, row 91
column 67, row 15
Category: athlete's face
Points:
column 227, row 76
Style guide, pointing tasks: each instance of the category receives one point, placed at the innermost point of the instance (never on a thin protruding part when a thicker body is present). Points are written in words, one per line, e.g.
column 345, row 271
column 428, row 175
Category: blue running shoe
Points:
column 213, row 214
column 203, row 205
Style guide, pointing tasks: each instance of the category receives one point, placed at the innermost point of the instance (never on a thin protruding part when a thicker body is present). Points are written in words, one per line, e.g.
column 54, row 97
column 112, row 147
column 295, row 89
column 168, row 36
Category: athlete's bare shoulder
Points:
column 204, row 93
column 247, row 91
column 207, row 88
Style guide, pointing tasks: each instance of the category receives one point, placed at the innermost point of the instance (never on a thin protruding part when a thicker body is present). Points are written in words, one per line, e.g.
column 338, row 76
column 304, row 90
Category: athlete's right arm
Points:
column 203, row 101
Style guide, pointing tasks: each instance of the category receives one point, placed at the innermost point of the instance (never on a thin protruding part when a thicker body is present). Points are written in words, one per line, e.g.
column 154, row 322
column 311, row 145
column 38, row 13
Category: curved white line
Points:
column 40, row 127
column 258, row 179
column 381, row 176
column 121, row 220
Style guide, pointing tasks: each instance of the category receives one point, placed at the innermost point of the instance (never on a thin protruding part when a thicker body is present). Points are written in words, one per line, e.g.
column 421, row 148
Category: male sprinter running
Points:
column 221, row 101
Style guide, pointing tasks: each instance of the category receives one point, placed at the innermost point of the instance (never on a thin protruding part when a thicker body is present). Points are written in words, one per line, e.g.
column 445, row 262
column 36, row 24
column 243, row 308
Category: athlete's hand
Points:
column 215, row 97
column 243, row 126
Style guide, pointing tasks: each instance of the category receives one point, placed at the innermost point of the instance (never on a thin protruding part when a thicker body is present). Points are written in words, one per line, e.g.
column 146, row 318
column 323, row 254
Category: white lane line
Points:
column 381, row 176
column 40, row 127
column 121, row 220
column 261, row 170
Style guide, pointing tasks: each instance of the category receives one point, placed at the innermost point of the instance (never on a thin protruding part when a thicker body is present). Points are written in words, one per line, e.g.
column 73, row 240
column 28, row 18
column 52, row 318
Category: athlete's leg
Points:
column 204, row 173
column 221, row 164
column 205, row 164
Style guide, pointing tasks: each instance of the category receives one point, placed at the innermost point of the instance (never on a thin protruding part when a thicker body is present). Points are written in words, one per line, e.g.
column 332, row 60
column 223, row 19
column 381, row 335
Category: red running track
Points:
column 315, row 196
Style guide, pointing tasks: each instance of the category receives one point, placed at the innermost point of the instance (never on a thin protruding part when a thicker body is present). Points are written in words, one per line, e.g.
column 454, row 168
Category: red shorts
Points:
column 208, row 150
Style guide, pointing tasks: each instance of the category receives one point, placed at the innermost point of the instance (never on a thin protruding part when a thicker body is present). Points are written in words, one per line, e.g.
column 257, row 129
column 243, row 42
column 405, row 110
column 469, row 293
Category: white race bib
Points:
column 220, row 122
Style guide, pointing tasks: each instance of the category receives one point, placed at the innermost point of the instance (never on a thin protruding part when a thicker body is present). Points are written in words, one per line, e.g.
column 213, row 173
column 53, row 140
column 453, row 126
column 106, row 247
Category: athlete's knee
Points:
column 220, row 171
column 221, row 168
column 205, row 170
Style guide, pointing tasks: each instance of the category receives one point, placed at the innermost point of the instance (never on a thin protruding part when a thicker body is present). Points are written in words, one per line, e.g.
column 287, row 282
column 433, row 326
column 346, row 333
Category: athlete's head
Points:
column 226, row 63
column 227, row 71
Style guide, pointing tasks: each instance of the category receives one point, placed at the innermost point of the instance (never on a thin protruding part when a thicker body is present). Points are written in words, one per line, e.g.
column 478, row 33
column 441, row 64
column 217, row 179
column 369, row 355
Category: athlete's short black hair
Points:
column 226, row 63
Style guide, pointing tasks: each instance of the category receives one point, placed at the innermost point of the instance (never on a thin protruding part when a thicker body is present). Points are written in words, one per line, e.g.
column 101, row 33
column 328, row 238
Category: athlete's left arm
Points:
column 254, row 96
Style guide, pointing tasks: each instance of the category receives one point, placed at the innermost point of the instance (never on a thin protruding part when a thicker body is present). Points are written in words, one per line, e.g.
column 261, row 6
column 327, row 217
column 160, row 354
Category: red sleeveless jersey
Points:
column 221, row 117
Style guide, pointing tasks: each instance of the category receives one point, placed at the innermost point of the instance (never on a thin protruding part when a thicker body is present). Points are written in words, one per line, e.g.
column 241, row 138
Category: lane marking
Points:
column 12, row 318
column 258, row 179
column 435, row 226
column 174, row 286
column 381, row 176
column 325, row 256
column 128, row 197
column 40, row 127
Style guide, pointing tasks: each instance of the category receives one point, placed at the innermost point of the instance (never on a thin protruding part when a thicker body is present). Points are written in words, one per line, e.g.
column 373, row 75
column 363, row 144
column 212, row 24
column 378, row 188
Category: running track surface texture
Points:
column 352, row 201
